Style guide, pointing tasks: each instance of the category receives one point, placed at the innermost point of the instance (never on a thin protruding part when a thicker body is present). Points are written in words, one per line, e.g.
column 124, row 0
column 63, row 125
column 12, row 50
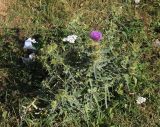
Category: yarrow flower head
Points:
column 28, row 44
column 156, row 43
column 137, row 1
column 70, row 38
column 141, row 100
column 96, row 35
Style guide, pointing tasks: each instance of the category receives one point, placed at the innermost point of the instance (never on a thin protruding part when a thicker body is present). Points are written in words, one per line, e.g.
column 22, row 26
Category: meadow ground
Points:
column 86, row 83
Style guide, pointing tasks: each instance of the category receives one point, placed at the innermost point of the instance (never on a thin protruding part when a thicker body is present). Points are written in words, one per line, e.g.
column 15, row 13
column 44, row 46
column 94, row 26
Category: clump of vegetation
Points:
column 74, row 80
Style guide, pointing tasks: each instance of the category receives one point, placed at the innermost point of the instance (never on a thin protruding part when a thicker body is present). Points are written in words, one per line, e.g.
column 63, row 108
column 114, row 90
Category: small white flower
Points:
column 70, row 38
column 28, row 44
column 156, row 43
column 141, row 100
column 137, row 1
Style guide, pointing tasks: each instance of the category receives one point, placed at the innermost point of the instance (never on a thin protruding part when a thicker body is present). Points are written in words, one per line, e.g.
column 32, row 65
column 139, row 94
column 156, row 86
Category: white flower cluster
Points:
column 156, row 43
column 70, row 38
column 28, row 44
column 140, row 100
column 137, row 1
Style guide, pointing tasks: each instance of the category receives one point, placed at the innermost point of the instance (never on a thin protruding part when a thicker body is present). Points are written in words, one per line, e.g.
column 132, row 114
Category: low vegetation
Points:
column 86, row 83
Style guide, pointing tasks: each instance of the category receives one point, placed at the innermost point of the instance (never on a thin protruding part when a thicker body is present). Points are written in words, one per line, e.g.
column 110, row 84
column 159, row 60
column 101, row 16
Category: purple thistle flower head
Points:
column 96, row 35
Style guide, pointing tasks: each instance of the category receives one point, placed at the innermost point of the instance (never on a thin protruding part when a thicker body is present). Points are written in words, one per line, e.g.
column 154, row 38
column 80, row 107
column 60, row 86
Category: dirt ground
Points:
column 3, row 7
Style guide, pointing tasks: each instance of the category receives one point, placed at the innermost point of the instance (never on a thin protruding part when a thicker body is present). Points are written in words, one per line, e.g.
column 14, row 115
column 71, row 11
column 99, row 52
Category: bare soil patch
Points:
column 3, row 7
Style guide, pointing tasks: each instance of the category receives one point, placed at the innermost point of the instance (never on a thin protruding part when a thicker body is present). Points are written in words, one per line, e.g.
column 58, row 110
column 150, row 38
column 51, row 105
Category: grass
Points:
column 86, row 83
